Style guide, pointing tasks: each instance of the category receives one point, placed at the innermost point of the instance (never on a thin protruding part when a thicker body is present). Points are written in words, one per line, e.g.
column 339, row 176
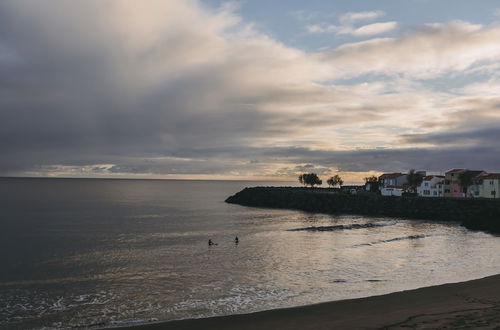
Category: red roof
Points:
column 430, row 177
column 456, row 170
column 491, row 176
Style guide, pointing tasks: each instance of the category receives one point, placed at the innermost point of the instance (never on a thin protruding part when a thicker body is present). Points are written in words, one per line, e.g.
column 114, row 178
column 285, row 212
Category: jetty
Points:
column 472, row 213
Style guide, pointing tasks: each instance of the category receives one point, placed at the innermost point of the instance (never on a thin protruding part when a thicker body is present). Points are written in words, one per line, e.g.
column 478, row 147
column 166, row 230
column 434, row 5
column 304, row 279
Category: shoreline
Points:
column 466, row 305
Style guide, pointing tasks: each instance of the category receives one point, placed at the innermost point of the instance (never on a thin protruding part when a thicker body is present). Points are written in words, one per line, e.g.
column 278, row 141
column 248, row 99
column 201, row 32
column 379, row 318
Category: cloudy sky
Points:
column 255, row 89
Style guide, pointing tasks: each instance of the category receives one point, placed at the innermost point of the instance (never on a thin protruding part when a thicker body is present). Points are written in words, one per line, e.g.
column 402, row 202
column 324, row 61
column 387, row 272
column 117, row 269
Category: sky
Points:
column 264, row 90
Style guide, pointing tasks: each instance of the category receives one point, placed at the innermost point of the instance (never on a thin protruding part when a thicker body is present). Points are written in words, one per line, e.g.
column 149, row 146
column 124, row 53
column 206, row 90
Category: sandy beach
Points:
column 467, row 305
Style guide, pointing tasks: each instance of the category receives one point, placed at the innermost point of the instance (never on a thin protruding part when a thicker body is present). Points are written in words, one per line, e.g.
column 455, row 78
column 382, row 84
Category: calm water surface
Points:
column 107, row 252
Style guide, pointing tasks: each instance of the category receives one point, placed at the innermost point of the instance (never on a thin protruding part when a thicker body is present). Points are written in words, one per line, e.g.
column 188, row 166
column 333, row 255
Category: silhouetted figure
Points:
column 236, row 240
column 210, row 243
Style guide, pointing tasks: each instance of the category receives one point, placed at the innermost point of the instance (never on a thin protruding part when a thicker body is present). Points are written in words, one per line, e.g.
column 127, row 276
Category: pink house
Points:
column 452, row 186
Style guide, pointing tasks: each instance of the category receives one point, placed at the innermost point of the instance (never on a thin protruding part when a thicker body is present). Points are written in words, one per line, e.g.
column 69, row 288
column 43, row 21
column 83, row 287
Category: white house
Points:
column 392, row 179
column 393, row 191
column 431, row 186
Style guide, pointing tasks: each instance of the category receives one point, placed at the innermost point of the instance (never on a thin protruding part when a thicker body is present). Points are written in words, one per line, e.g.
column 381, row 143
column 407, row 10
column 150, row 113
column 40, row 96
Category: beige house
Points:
column 488, row 186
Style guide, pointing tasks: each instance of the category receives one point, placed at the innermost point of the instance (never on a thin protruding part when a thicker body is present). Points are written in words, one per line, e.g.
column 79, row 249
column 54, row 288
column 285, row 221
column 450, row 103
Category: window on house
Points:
column 476, row 193
column 435, row 193
column 493, row 193
column 427, row 192
column 491, row 183
column 447, row 182
column 447, row 190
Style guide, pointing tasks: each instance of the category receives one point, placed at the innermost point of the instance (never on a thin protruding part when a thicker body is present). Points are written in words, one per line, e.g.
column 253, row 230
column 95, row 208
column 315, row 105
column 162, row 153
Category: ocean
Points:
column 99, row 253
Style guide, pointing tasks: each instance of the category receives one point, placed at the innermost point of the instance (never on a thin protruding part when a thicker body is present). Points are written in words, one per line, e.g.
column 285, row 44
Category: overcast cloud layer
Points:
column 180, row 89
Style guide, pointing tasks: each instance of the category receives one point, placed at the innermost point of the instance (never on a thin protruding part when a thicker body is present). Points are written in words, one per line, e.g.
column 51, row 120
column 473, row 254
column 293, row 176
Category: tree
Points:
column 414, row 179
column 310, row 179
column 335, row 180
column 372, row 178
column 466, row 179
column 373, row 183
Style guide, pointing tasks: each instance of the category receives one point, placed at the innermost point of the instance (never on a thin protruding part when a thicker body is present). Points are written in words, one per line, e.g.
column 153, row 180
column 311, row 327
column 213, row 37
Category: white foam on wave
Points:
column 16, row 308
column 391, row 240
column 239, row 299
column 347, row 226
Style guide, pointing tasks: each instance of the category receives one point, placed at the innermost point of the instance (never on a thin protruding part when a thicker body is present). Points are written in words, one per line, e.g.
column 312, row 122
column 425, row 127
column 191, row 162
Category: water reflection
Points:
column 119, row 251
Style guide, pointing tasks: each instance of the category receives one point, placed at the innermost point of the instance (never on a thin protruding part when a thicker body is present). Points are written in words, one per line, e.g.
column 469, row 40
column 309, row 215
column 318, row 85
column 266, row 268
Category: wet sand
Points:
column 467, row 305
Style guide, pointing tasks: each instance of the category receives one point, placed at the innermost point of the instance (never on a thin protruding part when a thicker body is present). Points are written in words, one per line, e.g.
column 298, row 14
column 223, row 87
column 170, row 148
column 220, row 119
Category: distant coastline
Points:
column 119, row 178
column 474, row 214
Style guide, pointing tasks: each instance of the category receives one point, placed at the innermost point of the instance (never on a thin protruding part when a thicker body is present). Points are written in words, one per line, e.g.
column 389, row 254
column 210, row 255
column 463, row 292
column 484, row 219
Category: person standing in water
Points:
column 236, row 240
column 210, row 243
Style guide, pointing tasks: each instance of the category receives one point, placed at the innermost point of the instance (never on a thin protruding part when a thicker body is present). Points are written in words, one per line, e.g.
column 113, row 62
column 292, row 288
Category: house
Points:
column 431, row 186
column 392, row 179
column 393, row 190
column 452, row 186
column 372, row 186
column 476, row 188
column 488, row 185
column 353, row 190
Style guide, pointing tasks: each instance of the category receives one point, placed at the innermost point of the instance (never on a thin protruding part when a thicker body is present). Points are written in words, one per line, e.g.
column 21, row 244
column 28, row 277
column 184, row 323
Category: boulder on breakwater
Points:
column 472, row 213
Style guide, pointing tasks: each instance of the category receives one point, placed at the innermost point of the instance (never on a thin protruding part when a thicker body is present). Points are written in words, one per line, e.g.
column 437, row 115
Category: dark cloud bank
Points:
column 77, row 94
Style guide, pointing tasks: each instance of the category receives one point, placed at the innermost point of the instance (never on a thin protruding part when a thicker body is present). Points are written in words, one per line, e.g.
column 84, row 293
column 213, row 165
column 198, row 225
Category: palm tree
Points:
column 414, row 179
column 466, row 179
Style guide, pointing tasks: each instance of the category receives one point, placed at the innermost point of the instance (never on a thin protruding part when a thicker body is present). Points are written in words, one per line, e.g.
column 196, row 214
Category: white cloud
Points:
column 353, row 17
column 347, row 25
column 365, row 30
column 429, row 52
column 460, row 25
column 375, row 28
column 322, row 28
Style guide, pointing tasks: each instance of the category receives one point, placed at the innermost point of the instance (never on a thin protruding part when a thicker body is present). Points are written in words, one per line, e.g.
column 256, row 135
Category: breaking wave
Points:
column 347, row 227
column 396, row 239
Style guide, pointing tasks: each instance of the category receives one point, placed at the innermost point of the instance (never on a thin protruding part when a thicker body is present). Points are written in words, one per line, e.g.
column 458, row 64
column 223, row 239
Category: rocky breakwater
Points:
column 473, row 213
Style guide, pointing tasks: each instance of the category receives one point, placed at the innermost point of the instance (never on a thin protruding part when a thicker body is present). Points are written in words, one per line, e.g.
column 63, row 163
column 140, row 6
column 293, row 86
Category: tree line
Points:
column 312, row 179
column 413, row 178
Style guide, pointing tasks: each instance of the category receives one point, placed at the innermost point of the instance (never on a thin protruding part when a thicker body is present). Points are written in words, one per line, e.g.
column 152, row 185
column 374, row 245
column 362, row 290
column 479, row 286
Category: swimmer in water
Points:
column 236, row 240
column 210, row 243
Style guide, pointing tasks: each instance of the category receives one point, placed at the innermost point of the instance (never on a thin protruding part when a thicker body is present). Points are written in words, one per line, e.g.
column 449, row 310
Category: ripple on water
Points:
column 136, row 251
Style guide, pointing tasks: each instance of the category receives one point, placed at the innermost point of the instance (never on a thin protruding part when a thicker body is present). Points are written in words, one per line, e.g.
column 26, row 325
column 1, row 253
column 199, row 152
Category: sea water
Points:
column 81, row 252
